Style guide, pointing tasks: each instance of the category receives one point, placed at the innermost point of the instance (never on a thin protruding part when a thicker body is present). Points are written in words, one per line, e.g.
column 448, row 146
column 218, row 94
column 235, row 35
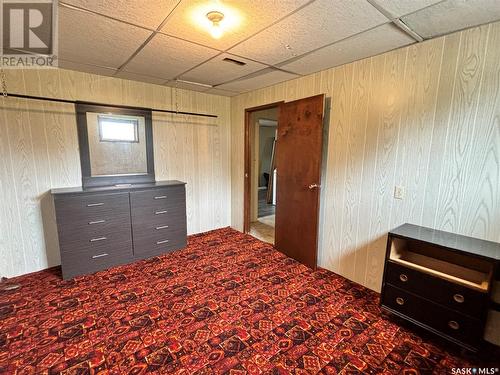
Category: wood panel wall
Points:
column 39, row 151
column 426, row 117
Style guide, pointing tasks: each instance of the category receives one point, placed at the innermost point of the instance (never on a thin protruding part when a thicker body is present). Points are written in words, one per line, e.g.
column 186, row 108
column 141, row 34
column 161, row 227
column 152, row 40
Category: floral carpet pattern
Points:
column 227, row 304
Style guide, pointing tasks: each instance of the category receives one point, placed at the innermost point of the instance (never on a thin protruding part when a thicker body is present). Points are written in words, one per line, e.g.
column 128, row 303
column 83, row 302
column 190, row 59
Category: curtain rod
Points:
column 32, row 97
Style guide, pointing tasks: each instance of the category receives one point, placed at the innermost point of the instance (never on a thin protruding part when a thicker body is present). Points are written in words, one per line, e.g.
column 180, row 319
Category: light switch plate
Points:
column 399, row 192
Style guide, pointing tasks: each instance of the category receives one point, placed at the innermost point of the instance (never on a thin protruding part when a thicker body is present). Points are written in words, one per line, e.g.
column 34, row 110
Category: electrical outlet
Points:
column 399, row 192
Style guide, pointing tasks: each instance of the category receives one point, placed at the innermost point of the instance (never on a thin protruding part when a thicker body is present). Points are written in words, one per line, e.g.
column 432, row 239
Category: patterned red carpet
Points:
column 228, row 304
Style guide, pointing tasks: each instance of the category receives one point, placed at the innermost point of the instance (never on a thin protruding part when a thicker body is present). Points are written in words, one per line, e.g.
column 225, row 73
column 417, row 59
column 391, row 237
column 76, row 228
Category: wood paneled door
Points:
column 298, row 164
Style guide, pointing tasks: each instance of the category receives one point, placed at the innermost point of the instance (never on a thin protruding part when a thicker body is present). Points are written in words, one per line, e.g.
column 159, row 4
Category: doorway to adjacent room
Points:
column 283, row 154
column 263, row 125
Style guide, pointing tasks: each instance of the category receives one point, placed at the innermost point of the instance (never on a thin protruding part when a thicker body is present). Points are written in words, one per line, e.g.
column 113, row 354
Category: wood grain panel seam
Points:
column 396, row 152
column 452, row 99
column 347, row 122
column 5, row 166
column 16, row 189
column 432, row 132
column 367, row 110
column 368, row 246
column 45, row 121
column 32, row 146
column 477, row 105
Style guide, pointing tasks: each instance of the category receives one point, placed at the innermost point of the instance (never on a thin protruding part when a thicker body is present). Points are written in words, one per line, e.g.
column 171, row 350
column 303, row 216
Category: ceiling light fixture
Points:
column 215, row 17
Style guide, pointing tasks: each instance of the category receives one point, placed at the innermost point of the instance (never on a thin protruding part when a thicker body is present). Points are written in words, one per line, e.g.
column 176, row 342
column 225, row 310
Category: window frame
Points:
column 108, row 118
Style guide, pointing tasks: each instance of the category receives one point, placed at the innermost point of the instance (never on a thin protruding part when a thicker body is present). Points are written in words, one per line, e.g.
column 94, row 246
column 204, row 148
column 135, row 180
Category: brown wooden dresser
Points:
column 441, row 282
column 102, row 227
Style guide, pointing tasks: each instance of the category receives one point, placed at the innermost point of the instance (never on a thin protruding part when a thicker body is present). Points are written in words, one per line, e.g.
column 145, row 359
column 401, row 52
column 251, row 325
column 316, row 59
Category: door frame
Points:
column 247, row 176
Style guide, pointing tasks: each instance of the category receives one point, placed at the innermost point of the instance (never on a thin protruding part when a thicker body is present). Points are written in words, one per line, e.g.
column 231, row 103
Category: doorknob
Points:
column 314, row 186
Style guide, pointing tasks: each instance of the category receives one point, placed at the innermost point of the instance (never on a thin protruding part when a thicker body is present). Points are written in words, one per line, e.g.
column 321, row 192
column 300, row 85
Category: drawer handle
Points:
column 162, row 242
column 403, row 278
column 100, row 255
column 97, row 222
column 459, row 298
column 162, row 227
column 400, row 301
column 95, row 204
column 160, row 212
column 161, row 197
column 453, row 325
column 98, row 239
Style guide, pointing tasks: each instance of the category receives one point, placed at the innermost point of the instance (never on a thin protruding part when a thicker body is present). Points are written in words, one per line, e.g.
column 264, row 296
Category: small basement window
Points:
column 118, row 129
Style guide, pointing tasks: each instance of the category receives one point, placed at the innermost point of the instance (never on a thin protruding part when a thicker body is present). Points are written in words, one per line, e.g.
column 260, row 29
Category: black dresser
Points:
column 103, row 227
column 441, row 281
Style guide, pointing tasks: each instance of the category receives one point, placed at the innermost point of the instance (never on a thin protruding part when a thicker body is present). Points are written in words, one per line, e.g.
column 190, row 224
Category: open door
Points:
column 298, row 162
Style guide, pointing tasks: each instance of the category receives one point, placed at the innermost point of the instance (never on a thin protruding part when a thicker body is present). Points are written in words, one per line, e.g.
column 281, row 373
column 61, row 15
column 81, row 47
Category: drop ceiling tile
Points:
column 187, row 86
column 216, row 91
column 318, row 24
column 263, row 78
column 140, row 78
column 96, row 40
column 243, row 18
column 218, row 71
column 132, row 11
column 453, row 15
column 166, row 57
column 99, row 70
column 373, row 42
column 398, row 8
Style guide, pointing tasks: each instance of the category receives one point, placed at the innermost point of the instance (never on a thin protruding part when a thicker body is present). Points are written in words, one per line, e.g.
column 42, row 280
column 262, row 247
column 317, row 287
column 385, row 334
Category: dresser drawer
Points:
column 450, row 323
column 153, row 242
column 80, row 254
column 93, row 229
column 74, row 239
column 462, row 299
column 148, row 202
column 88, row 210
column 159, row 217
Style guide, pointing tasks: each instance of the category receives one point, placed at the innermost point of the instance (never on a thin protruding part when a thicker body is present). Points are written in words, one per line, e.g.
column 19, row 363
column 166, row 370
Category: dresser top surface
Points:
column 115, row 188
column 457, row 242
